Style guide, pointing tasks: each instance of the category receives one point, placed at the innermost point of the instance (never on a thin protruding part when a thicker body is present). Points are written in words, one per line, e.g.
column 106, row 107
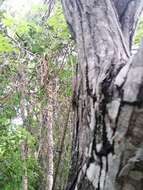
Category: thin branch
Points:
column 61, row 147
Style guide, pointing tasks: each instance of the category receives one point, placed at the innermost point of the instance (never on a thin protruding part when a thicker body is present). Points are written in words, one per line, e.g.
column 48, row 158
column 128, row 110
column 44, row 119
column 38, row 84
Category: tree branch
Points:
column 128, row 13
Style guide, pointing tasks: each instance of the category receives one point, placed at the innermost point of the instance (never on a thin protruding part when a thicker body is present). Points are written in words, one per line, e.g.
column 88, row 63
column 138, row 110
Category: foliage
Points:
column 10, row 159
column 23, row 45
column 139, row 33
column 5, row 45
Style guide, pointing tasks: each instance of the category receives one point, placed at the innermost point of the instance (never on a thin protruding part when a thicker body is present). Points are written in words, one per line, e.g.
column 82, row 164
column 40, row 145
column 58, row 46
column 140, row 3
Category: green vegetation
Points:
column 23, row 45
column 139, row 33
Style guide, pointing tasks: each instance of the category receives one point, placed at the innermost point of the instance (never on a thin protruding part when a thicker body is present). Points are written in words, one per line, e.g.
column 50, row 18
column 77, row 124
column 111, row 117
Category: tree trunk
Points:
column 50, row 86
column 23, row 110
column 50, row 141
column 107, row 150
column 24, row 154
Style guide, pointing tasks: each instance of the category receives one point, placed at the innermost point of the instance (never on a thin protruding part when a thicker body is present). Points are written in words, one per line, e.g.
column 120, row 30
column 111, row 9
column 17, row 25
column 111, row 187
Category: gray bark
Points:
column 22, row 84
column 128, row 13
column 47, row 142
column 107, row 139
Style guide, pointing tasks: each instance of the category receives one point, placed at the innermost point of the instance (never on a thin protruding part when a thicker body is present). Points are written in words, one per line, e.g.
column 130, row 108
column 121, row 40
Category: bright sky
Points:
column 20, row 7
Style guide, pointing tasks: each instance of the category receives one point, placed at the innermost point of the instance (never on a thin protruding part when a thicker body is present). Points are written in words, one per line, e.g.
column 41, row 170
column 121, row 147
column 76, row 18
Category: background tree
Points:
column 25, row 41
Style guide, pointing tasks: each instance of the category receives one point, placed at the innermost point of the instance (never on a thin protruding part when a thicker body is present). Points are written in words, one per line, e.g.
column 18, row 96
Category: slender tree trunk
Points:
column 59, row 159
column 24, row 146
column 50, row 141
column 24, row 158
column 47, row 146
column 107, row 150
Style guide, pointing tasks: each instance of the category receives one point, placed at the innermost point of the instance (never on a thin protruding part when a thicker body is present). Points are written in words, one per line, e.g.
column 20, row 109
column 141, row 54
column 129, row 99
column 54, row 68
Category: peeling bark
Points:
column 47, row 142
column 48, row 115
column 107, row 96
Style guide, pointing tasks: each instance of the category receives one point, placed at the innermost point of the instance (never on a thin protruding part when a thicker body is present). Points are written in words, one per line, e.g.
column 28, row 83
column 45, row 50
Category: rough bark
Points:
column 59, row 159
column 50, row 86
column 50, row 141
column 23, row 110
column 128, row 13
column 24, row 154
column 107, row 144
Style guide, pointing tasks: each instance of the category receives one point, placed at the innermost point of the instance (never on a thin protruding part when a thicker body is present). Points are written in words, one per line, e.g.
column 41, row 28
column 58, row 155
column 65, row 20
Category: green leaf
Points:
column 5, row 45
